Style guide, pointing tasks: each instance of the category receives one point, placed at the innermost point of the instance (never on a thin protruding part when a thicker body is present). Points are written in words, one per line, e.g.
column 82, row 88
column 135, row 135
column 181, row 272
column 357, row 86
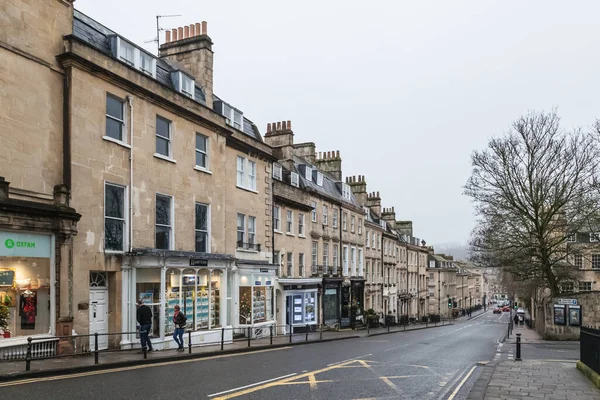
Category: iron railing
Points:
column 589, row 347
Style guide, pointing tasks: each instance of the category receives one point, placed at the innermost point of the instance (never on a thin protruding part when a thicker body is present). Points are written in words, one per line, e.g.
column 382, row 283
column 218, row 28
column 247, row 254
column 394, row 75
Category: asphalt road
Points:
column 424, row 364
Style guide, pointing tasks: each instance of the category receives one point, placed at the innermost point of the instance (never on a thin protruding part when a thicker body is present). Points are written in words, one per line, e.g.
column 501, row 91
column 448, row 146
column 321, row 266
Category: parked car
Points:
column 497, row 310
column 506, row 309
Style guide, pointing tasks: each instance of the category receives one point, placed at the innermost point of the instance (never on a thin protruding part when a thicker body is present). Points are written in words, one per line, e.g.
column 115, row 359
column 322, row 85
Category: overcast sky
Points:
column 406, row 90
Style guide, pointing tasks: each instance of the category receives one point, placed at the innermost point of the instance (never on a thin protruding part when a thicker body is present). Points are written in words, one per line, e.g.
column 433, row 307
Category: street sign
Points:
column 571, row 302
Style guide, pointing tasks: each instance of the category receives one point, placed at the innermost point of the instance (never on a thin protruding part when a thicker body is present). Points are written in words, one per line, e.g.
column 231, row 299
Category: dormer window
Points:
column 187, row 85
column 126, row 52
column 294, row 179
column 308, row 173
column 232, row 116
column 277, row 171
column 594, row 236
column 346, row 192
column 382, row 223
column 133, row 56
column 147, row 63
column 319, row 178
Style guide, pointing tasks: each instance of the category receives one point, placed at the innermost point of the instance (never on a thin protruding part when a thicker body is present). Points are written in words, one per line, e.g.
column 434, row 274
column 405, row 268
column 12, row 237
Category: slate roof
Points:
column 331, row 187
column 98, row 36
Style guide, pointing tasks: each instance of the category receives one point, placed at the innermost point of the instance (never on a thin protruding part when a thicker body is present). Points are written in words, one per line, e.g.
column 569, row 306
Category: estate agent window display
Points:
column 196, row 291
column 255, row 301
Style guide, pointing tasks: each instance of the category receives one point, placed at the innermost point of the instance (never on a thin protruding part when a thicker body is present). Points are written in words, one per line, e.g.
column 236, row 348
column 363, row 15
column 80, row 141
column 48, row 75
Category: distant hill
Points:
column 457, row 250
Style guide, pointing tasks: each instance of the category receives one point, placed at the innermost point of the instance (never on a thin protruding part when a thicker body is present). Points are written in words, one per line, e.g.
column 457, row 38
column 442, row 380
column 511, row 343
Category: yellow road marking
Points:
column 389, row 383
column 304, row 383
column 134, row 367
column 455, row 392
column 313, row 381
column 280, row 382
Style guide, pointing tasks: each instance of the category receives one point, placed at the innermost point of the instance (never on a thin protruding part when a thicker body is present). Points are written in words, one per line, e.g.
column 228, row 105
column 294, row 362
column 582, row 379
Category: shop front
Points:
column 301, row 304
column 201, row 284
column 27, row 290
column 255, row 299
column 332, row 301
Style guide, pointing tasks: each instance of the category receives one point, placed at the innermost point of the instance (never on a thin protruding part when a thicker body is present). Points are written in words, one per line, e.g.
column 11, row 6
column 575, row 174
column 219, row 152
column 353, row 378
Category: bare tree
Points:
column 531, row 189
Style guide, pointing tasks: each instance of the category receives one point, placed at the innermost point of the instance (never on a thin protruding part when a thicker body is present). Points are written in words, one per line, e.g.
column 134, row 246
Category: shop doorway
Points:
column 98, row 309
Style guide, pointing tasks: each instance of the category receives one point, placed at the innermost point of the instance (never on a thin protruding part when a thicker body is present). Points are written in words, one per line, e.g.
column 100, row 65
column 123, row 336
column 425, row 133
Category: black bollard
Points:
column 518, row 358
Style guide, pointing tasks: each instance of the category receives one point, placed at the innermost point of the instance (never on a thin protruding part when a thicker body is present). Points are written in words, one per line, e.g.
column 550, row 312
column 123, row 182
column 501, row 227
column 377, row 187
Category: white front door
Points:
column 99, row 317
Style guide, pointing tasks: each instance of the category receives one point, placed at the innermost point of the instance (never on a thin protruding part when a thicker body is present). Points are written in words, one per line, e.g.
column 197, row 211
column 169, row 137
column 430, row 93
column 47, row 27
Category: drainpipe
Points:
column 407, row 297
column 273, row 219
column 130, row 101
column 67, row 131
column 340, row 261
column 382, row 280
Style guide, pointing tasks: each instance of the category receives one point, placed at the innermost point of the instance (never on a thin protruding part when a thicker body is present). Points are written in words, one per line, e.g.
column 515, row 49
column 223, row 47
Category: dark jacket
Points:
column 180, row 320
column 144, row 315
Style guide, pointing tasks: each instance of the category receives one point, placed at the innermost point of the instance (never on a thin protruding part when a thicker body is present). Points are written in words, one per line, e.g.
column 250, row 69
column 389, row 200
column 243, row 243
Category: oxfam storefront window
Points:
column 25, row 261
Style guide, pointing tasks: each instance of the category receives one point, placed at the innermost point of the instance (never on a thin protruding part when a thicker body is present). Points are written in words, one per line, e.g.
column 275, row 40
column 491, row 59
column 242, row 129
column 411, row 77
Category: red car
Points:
column 506, row 309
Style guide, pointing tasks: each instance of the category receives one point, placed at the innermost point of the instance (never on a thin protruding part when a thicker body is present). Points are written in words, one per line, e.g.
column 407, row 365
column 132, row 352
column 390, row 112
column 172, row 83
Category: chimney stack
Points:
column 358, row 184
column 190, row 48
column 332, row 164
column 374, row 202
column 280, row 136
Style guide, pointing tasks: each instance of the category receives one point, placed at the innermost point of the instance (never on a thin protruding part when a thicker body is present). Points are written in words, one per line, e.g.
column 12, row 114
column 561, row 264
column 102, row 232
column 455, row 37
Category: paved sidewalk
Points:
column 16, row 369
column 539, row 379
column 527, row 335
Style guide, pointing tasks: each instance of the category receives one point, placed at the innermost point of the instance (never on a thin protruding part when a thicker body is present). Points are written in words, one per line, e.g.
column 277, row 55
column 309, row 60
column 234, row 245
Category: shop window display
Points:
column 302, row 308
column 25, row 290
column 255, row 304
column 198, row 300
column 148, row 290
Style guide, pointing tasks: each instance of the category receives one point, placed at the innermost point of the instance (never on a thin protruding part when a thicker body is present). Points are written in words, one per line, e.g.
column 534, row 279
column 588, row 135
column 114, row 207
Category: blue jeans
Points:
column 178, row 337
column 144, row 331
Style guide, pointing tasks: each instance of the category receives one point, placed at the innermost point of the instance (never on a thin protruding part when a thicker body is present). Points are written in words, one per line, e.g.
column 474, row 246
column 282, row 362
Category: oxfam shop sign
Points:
column 24, row 244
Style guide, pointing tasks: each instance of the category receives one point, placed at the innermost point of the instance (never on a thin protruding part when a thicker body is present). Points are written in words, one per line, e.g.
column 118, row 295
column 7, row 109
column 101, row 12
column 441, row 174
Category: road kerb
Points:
column 589, row 373
column 120, row 364
column 408, row 330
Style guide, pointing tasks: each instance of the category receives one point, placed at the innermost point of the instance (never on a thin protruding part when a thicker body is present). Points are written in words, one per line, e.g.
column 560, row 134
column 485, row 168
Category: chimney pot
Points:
column 180, row 33
column 198, row 29
column 174, row 32
column 186, row 32
column 283, row 125
column 269, row 127
column 377, row 193
column 354, row 179
column 337, row 154
column 204, row 28
column 167, row 36
column 192, row 30
column 279, row 126
column 289, row 125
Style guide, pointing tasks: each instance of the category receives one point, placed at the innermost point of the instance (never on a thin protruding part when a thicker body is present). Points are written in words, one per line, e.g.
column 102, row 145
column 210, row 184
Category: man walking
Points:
column 144, row 318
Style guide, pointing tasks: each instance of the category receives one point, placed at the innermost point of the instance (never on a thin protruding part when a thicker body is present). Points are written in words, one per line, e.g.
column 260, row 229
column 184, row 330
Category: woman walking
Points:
column 179, row 319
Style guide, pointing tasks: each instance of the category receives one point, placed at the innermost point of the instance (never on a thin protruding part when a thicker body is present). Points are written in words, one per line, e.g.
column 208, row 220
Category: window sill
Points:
column 279, row 232
column 169, row 159
column 117, row 252
column 290, row 234
column 206, row 171
column 302, row 236
column 246, row 189
column 247, row 251
column 113, row 140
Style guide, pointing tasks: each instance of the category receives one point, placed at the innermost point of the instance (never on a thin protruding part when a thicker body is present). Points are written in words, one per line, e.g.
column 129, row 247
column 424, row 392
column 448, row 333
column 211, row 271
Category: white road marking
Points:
column 251, row 385
column 455, row 392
